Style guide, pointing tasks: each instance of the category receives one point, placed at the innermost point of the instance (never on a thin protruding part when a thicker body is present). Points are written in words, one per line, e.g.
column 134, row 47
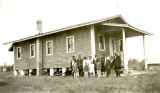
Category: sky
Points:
column 18, row 20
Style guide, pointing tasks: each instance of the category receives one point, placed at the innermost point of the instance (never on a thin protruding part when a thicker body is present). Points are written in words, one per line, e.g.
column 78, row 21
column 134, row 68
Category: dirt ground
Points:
column 59, row 84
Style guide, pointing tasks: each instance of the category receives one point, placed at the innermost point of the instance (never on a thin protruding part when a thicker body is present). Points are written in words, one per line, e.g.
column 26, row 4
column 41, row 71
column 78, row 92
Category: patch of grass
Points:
column 150, row 83
column 58, row 84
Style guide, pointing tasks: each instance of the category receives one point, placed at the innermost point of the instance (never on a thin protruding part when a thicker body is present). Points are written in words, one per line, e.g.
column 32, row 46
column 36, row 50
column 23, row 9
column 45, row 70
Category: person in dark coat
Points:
column 95, row 60
column 117, row 64
column 103, row 69
column 108, row 71
column 80, row 65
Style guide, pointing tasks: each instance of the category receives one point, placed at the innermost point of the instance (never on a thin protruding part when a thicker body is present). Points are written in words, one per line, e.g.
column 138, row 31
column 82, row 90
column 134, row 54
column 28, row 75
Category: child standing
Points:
column 86, row 70
column 99, row 67
column 91, row 67
column 75, row 70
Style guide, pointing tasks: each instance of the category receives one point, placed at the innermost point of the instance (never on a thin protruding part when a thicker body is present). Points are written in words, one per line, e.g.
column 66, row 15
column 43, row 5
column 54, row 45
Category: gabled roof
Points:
column 127, row 26
column 76, row 26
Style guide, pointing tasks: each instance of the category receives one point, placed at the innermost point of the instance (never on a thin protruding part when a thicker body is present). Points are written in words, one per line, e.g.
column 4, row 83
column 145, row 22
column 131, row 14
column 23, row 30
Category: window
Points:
column 70, row 44
column 101, row 42
column 49, row 47
column 18, row 52
column 32, row 50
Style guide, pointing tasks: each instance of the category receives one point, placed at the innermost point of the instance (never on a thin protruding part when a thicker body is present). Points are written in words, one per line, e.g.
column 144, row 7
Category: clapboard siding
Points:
column 25, row 62
column 60, row 57
column 98, row 52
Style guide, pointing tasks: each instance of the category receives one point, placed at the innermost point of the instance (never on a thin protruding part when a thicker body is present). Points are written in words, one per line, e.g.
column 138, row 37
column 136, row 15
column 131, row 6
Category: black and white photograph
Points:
column 79, row 46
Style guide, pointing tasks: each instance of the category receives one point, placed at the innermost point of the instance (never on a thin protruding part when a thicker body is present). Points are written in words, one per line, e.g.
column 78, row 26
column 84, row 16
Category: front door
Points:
column 112, row 45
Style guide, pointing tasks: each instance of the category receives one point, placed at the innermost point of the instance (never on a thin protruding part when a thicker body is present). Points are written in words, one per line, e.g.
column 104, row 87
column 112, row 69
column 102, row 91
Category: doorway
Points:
column 112, row 45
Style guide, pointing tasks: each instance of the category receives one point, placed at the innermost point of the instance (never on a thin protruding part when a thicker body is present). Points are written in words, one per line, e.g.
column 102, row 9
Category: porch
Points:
column 110, row 38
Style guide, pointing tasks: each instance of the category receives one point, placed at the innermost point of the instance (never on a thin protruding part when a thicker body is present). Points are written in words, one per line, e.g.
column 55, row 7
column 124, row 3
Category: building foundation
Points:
column 51, row 72
column 64, row 71
column 22, row 72
column 30, row 72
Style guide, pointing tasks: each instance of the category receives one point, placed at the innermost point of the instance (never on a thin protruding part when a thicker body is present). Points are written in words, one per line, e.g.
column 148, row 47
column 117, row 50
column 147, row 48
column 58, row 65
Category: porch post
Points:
column 15, row 71
column 124, row 53
column 93, row 49
column 144, row 50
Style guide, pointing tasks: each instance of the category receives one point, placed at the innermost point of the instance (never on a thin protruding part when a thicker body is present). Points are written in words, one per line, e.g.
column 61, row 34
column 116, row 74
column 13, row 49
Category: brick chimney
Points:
column 39, row 49
column 39, row 26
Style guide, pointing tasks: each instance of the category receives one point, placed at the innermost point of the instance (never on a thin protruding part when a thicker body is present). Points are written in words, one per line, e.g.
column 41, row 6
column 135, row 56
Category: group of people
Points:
column 96, row 67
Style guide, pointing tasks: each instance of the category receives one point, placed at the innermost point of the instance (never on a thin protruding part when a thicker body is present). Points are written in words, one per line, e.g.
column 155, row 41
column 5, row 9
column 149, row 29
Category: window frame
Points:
column 103, row 37
column 67, row 44
column 47, row 47
column 33, row 51
column 20, row 52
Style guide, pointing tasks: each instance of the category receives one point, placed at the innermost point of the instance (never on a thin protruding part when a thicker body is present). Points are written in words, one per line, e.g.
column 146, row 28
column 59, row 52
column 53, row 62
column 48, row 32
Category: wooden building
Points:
column 54, row 49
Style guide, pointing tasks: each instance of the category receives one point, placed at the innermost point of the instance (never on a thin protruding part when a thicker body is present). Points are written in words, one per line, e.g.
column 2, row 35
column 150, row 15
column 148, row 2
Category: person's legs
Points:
column 107, row 72
column 94, row 74
column 99, row 73
column 95, row 71
column 77, row 74
column 116, row 72
column 81, row 72
column 86, row 74
column 104, row 73
column 74, row 74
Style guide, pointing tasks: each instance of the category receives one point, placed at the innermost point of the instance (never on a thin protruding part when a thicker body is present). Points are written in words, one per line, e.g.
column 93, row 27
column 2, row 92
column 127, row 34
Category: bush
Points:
column 136, row 65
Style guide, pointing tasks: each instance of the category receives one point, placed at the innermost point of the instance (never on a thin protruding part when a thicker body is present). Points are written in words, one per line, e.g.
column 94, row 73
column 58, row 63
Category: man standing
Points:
column 117, row 64
column 80, row 65
column 95, row 60
column 103, row 69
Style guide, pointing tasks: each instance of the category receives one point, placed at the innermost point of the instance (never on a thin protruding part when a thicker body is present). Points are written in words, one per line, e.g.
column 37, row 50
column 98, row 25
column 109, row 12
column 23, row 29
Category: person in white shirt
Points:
column 91, row 67
column 72, row 63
